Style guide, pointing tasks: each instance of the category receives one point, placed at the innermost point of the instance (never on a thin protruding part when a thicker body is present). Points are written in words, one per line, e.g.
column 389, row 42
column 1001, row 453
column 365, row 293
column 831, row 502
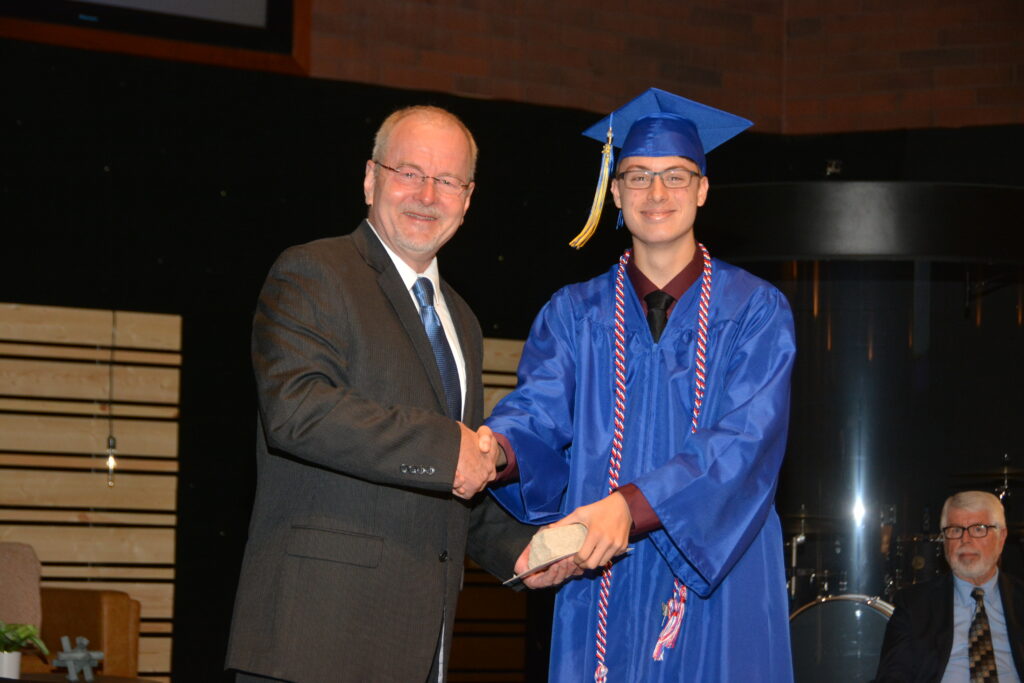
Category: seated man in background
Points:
column 968, row 625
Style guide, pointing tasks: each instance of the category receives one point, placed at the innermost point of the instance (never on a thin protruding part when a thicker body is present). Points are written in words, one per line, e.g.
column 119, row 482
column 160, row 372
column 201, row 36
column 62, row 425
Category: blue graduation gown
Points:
column 713, row 490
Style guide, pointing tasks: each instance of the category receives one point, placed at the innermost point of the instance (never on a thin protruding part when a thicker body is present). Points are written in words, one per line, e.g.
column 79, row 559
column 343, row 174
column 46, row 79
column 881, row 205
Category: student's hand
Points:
column 608, row 522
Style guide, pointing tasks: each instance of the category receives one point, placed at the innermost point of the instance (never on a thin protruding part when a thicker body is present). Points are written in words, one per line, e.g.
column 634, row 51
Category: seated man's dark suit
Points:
column 919, row 636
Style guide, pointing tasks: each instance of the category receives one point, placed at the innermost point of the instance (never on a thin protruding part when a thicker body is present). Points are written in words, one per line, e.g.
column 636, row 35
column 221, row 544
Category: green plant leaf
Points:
column 17, row 637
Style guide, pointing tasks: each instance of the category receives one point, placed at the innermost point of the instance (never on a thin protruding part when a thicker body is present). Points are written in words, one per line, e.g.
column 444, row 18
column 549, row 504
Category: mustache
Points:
column 423, row 209
column 966, row 554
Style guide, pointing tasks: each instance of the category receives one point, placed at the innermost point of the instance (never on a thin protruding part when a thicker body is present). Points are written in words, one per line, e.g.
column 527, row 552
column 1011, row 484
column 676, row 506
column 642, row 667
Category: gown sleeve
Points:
column 537, row 418
column 715, row 493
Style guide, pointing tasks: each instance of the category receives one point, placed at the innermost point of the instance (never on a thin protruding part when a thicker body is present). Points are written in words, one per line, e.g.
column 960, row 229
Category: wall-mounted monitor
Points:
column 231, row 28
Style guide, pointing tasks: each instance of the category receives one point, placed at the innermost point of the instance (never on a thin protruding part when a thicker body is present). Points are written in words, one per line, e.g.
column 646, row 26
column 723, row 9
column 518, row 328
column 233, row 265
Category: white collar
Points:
column 405, row 271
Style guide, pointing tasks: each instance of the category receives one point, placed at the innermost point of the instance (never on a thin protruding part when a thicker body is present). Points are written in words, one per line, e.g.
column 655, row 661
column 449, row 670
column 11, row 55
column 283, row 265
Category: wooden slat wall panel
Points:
column 68, row 378
column 34, row 405
column 501, row 358
column 154, row 654
column 486, row 677
column 502, row 355
column 48, row 379
column 58, row 572
column 90, row 327
column 86, row 462
column 489, row 643
column 67, row 516
column 51, row 434
column 86, row 353
column 34, row 488
column 105, row 545
column 491, row 397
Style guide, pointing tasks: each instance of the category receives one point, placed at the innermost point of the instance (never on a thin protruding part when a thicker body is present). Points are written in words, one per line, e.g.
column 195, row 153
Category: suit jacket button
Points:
column 443, row 556
column 404, row 469
column 430, row 470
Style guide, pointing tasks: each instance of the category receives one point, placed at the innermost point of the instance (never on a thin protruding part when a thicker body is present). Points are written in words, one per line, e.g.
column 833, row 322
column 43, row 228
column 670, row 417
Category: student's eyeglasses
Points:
column 642, row 178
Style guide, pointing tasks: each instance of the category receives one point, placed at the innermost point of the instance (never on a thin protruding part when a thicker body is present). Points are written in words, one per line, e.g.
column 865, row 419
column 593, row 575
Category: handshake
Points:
column 479, row 457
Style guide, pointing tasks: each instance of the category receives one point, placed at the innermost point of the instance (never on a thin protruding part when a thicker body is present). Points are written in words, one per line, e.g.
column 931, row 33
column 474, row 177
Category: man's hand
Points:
column 608, row 523
column 478, row 455
column 553, row 575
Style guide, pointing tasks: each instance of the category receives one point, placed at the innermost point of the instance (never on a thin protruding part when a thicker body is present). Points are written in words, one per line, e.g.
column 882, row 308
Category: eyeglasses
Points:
column 642, row 178
column 974, row 530
column 410, row 177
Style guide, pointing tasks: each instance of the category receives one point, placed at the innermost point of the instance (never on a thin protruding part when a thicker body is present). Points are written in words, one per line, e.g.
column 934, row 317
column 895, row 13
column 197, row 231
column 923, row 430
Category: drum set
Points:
column 837, row 614
column 842, row 577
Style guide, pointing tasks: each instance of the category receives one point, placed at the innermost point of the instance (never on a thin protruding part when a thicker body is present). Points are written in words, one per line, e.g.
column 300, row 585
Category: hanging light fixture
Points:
column 111, row 439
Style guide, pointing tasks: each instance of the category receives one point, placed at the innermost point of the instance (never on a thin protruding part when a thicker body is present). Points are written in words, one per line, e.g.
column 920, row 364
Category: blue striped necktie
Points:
column 424, row 291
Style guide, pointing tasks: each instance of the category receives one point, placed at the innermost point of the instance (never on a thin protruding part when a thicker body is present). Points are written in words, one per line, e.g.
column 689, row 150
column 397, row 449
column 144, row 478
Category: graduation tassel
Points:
column 602, row 191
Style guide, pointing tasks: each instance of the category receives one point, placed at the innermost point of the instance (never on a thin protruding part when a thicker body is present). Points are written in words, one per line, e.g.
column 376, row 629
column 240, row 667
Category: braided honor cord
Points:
column 614, row 463
column 674, row 609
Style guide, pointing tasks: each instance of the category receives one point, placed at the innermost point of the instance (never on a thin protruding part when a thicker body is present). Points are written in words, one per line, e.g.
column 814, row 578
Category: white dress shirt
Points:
column 958, row 669
column 409, row 277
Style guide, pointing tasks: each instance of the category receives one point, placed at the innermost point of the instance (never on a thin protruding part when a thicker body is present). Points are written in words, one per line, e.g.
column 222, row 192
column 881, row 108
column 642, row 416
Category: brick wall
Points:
column 793, row 66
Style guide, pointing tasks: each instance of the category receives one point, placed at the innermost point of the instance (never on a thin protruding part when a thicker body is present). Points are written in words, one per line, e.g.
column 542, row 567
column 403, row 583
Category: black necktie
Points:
column 979, row 643
column 424, row 291
column 657, row 311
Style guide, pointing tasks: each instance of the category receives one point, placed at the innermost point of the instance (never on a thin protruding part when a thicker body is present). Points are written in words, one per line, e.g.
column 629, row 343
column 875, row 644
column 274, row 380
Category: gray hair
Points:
column 976, row 501
column 431, row 113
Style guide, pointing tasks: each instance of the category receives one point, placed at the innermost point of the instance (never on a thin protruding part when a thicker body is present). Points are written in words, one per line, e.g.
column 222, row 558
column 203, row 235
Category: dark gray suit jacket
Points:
column 919, row 636
column 355, row 549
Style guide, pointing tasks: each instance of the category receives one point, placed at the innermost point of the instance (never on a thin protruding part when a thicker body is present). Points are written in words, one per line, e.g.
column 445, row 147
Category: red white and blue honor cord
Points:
column 673, row 610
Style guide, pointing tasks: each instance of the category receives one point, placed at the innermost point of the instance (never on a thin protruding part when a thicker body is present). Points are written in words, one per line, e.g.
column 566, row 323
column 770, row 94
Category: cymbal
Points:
column 811, row 524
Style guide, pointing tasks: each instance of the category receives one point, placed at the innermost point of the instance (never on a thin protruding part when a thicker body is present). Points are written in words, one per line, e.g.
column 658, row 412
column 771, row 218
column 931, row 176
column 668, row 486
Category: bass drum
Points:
column 838, row 638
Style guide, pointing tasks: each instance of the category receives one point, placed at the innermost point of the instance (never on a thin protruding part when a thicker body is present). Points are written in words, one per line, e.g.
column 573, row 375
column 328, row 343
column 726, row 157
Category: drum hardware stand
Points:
column 887, row 549
column 982, row 286
column 1004, row 491
column 796, row 541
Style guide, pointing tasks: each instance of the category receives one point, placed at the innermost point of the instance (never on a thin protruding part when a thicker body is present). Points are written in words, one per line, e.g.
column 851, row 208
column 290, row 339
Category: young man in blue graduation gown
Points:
column 662, row 431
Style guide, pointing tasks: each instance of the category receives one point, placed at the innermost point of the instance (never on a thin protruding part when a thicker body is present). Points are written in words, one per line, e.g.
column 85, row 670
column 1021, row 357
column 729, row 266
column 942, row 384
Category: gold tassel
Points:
column 602, row 191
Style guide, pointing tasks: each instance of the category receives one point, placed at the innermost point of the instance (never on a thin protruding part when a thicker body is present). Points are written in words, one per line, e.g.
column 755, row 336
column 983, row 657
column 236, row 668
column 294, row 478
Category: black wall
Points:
column 156, row 186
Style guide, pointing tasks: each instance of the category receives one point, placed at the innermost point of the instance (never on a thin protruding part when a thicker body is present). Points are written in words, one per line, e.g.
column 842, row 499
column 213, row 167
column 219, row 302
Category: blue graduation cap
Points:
column 657, row 124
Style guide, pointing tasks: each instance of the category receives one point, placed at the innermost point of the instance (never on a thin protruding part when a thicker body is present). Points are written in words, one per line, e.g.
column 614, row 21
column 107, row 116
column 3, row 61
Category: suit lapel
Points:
column 1013, row 610
column 943, row 602
column 464, row 331
column 401, row 302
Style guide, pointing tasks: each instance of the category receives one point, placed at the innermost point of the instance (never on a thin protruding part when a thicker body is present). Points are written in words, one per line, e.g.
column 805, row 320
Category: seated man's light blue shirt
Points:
column 958, row 668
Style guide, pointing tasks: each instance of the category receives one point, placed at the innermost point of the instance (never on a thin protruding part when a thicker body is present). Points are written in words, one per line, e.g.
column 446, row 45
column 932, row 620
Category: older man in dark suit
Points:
column 368, row 369
column 968, row 625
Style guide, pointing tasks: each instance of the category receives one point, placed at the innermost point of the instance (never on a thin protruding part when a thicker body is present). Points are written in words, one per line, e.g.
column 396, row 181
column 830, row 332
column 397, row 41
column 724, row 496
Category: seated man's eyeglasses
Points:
column 411, row 177
column 642, row 178
column 974, row 530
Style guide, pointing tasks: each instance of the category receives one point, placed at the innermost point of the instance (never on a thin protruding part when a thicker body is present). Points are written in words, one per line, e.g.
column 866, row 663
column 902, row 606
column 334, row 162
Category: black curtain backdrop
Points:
column 144, row 185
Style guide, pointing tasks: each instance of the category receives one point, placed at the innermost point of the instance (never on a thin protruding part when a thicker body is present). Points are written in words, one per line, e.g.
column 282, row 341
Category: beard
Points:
column 969, row 565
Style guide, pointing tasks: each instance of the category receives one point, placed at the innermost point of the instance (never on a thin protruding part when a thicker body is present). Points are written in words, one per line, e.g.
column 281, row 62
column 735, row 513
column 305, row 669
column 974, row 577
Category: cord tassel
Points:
column 672, row 612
